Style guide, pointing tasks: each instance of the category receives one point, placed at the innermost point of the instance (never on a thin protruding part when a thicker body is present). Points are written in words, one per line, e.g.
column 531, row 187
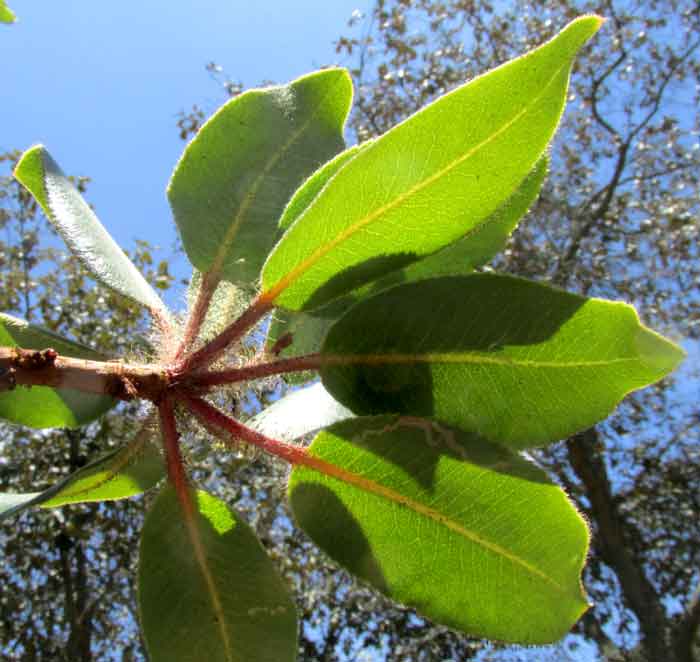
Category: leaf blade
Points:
column 256, row 620
column 434, row 177
column 305, row 194
column 517, row 362
column 81, row 229
column 442, row 521
column 6, row 14
column 233, row 180
column 42, row 406
column 299, row 413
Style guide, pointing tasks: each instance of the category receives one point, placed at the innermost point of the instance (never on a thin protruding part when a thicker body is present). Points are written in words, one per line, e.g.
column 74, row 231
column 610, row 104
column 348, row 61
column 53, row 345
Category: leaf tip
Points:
column 658, row 352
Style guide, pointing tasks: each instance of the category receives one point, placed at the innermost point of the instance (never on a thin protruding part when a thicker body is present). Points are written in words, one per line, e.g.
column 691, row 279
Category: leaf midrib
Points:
column 305, row 265
column 229, row 237
column 472, row 358
column 333, row 471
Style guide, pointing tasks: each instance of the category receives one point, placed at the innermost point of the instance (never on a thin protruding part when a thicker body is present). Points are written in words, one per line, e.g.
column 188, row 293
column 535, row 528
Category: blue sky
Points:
column 100, row 84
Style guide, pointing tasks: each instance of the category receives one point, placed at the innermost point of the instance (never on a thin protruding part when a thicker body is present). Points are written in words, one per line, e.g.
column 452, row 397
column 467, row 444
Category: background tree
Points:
column 618, row 218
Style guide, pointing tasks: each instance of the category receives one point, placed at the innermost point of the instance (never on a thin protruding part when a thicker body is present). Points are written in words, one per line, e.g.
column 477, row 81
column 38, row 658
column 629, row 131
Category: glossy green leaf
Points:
column 81, row 229
column 41, row 406
column 428, row 181
column 6, row 14
column 518, row 362
column 306, row 193
column 299, row 413
column 234, row 179
column 304, row 332
column 207, row 589
column 471, row 535
column 123, row 473
column 480, row 245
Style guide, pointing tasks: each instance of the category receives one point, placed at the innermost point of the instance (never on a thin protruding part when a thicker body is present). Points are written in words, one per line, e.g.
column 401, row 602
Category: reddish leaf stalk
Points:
column 233, row 375
column 173, row 458
column 216, row 421
column 199, row 313
column 213, row 349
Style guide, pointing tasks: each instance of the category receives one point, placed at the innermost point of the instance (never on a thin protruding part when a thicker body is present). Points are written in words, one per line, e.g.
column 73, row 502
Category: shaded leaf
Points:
column 428, row 181
column 518, row 362
column 207, row 590
column 299, row 413
column 235, row 177
column 304, row 332
column 80, row 228
column 471, row 535
column 42, row 406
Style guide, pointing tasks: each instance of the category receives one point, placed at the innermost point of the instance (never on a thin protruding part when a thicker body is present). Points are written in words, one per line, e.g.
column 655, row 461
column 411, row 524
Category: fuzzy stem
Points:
column 216, row 421
column 173, row 458
column 233, row 375
column 213, row 349
column 207, row 288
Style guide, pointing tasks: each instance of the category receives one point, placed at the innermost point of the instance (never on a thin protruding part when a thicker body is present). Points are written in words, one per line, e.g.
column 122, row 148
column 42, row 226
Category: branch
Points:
column 687, row 631
column 588, row 464
column 28, row 367
column 233, row 375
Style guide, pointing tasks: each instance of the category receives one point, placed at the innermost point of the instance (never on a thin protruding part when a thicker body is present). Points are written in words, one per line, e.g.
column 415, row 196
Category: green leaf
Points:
column 6, row 14
column 306, row 193
column 234, row 179
column 299, row 413
column 518, row 362
column 480, row 245
column 123, row 473
column 42, row 406
column 126, row 472
column 207, row 590
column 471, row 535
column 428, row 181
column 81, row 229
column 304, row 332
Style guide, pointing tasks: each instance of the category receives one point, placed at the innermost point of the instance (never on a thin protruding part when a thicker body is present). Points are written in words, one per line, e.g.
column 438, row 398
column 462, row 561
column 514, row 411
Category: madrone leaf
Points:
column 207, row 589
column 515, row 361
column 235, row 177
column 81, row 229
column 123, row 473
column 471, row 535
column 428, row 181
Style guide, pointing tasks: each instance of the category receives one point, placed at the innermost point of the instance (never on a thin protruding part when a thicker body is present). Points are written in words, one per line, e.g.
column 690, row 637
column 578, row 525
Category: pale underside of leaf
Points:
column 81, row 230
